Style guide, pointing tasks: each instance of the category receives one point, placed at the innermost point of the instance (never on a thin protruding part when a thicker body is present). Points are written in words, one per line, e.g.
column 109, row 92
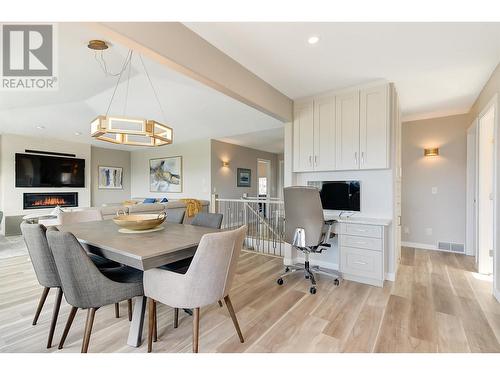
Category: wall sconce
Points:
column 434, row 151
column 225, row 164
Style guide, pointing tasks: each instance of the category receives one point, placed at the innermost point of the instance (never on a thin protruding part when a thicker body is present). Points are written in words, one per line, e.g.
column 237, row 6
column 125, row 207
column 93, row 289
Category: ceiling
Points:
column 438, row 68
column 271, row 140
column 194, row 110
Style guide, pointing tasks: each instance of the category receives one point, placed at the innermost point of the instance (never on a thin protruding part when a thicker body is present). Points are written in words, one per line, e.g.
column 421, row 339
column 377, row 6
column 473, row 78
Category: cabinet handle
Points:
column 356, row 158
column 362, row 158
column 310, row 160
column 361, row 263
column 316, row 160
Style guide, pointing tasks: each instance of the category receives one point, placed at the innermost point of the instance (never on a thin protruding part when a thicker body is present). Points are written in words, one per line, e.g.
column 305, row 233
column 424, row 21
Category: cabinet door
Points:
column 374, row 128
column 324, row 134
column 303, row 137
column 347, row 130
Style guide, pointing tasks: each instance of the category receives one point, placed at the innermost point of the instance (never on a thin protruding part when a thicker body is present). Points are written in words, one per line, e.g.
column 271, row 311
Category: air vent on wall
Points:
column 449, row 246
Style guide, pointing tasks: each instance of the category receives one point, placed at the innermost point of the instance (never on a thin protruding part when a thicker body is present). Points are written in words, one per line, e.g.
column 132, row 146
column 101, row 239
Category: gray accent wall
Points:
column 110, row 158
column 224, row 178
column 443, row 212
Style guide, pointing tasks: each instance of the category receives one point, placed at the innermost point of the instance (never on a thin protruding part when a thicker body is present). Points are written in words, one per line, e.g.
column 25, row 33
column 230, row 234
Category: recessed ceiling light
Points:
column 313, row 40
column 78, row 133
column 40, row 127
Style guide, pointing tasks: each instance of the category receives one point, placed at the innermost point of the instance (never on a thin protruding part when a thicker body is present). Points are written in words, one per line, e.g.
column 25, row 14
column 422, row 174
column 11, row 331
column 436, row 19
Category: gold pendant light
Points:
column 128, row 130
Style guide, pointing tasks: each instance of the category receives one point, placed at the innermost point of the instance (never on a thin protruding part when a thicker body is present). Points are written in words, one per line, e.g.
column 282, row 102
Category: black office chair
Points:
column 307, row 231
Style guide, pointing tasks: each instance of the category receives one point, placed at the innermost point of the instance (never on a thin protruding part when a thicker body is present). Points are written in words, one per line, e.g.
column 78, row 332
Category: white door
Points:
column 347, row 131
column 303, row 137
column 470, row 226
column 324, row 134
column 485, row 191
column 374, row 128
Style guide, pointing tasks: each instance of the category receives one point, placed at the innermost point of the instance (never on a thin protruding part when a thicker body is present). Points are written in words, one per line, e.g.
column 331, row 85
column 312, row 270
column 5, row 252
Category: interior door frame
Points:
column 471, row 190
column 493, row 103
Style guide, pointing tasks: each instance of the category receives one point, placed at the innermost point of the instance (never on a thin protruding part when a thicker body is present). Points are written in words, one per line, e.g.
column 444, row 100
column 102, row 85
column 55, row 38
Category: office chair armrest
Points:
column 330, row 222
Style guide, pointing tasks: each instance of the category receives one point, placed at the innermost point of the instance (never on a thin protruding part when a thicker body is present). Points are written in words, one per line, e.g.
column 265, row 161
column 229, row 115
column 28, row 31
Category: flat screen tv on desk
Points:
column 339, row 195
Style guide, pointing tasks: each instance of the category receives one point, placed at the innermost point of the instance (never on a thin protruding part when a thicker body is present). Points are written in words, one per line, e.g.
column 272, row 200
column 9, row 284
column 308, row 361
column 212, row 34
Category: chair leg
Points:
column 196, row 329
column 129, row 303
column 233, row 317
column 55, row 314
column 88, row 329
column 71, row 316
column 43, row 297
column 117, row 310
column 176, row 317
column 220, row 303
column 151, row 319
column 155, row 326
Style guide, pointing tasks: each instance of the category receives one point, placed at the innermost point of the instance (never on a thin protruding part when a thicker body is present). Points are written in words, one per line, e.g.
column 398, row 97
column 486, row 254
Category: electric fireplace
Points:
column 49, row 200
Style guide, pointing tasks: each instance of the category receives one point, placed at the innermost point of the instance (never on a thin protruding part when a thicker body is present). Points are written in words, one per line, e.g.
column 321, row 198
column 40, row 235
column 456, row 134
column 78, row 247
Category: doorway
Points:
column 485, row 190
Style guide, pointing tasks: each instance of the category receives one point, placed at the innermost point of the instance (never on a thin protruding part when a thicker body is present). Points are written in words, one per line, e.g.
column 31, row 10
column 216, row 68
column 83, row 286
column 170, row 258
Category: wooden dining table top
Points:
column 139, row 250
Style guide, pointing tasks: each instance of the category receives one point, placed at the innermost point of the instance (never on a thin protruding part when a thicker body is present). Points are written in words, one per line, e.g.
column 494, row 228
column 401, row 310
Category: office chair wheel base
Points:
column 307, row 277
column 280, row 281
column 287, row 269
column 336, row 282
column 312, row 290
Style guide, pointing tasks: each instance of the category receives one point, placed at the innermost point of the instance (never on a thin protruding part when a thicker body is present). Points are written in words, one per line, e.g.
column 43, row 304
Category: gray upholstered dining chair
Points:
column 208, row 280
column 83, row 216
column 46, row 271
column 175, row 216
column 80, row 216
column 202, row 219
column 87, row 287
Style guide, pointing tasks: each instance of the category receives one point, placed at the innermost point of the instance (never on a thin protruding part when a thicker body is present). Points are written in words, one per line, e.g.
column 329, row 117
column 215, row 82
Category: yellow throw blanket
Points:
column 193, row 206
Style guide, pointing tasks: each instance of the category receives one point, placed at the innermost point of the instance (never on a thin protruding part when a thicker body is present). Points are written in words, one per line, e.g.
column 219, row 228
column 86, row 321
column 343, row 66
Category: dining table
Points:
column 141, row 250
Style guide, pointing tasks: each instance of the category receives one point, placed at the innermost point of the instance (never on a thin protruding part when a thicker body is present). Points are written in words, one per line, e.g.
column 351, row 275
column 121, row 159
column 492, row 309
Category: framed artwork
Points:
column 165, row 175
column 243, row 177
column 110, row 178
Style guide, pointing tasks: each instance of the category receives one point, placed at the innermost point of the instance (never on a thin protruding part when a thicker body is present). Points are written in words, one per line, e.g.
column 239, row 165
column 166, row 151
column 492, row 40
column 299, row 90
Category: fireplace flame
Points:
column 49, row 201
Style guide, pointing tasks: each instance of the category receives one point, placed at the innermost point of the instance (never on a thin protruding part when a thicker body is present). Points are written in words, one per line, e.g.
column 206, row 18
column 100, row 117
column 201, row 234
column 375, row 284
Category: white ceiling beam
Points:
column 180, row 49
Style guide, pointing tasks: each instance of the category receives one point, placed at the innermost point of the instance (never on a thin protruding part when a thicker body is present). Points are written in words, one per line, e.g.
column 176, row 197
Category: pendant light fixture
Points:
column 123, row 129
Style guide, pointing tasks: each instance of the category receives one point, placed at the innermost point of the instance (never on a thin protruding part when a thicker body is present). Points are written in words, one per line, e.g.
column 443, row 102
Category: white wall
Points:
column 444, row 212
column 12, row 197
column 195, row 169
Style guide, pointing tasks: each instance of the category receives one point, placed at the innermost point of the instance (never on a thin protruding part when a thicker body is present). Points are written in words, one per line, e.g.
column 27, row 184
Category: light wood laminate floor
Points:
column 438, row 304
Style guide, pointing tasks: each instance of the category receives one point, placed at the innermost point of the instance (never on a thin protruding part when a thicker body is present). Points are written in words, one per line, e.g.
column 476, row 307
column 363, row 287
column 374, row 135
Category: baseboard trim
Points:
column 496, row 294
column 419, row 245
column 390, row 276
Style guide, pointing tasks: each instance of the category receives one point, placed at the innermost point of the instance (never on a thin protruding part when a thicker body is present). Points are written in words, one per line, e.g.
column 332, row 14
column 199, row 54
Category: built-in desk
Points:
column 359, row 249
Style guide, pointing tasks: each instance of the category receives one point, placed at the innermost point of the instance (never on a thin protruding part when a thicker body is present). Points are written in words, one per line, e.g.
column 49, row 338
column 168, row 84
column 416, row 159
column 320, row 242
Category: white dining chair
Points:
column 208, row 280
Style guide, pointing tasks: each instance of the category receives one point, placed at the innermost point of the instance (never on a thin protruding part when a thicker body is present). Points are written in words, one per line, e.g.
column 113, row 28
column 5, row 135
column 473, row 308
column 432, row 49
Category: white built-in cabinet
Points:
column 344, row 131
column 314, row 129
column 347, row 134
column 374, row 128
column 303, row 137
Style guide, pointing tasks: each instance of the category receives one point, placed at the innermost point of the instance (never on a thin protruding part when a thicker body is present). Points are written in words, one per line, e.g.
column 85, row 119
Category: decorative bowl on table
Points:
column 139, row 222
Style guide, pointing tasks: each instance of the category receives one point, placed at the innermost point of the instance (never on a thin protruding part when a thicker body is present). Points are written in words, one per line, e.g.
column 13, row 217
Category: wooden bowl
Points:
column 140, row 222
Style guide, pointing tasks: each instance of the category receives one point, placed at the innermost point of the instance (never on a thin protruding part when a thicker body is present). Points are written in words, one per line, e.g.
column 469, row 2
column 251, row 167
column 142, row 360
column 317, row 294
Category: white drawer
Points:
column 369, row 243
column 363, row 263
column 364, row 230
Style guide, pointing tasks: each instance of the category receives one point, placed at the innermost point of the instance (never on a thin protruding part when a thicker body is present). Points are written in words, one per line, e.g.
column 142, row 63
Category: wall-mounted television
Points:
column 339, row 195
column 49, row 171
